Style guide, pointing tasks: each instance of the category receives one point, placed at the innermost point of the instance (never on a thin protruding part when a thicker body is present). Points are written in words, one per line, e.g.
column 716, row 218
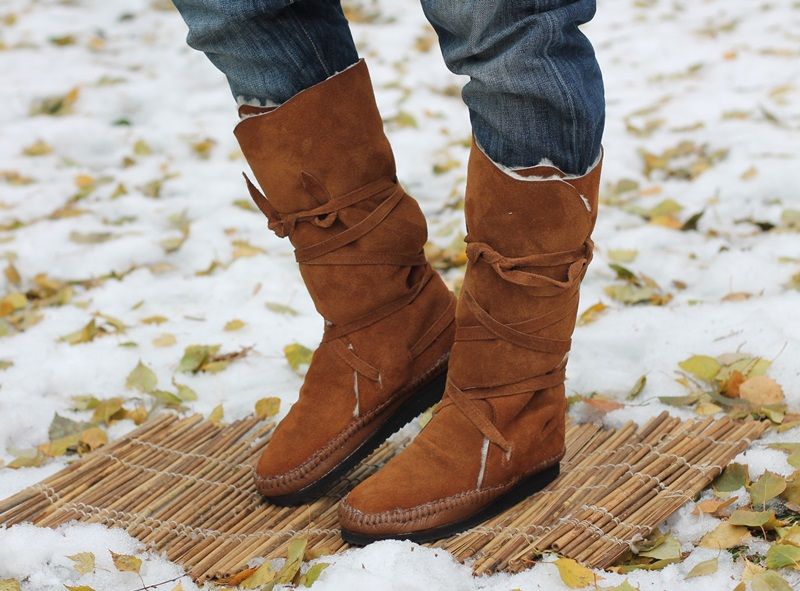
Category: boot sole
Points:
column 519, row 492
column 423, row 397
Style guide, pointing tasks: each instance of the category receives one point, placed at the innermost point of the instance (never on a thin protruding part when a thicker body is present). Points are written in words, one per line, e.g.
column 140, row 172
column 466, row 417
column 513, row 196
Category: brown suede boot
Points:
column 498, row 434
column 329, row 174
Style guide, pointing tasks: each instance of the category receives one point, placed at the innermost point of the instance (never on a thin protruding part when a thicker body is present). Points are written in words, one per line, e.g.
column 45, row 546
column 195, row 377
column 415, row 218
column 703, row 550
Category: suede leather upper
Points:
column 329, row 184
column 528, row 248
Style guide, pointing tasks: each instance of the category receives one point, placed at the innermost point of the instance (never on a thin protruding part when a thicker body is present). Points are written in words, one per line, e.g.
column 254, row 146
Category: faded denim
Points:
column 535, row 90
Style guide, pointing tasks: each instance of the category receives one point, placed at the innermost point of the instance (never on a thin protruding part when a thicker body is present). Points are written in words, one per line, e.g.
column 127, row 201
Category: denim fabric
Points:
column 535, row 90
column 270, row 49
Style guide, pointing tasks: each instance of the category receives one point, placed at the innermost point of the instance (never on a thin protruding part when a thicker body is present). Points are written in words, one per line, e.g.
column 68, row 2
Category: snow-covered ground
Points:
column 140, row 155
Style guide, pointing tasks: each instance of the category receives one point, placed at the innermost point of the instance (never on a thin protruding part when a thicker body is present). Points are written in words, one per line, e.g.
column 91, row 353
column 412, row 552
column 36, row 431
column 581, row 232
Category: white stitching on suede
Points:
column 431, row 508
column 335, row 443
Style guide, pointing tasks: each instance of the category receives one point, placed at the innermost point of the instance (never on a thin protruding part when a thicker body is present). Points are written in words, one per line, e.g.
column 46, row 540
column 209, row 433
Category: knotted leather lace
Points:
column 328, row 252
column 523, row 334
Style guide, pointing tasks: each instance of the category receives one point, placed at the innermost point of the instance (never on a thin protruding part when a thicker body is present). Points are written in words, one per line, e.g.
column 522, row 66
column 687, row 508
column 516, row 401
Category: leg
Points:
column 328, row 172
column 499, row 433
column 535, row 91
column 270, row 49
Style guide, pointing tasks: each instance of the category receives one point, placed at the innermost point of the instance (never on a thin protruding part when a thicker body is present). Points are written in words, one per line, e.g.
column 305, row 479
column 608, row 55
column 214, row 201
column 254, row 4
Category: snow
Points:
column 131, row 64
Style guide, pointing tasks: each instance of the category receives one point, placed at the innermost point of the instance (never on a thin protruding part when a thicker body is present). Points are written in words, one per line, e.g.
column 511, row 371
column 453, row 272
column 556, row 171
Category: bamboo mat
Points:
column 184, row 486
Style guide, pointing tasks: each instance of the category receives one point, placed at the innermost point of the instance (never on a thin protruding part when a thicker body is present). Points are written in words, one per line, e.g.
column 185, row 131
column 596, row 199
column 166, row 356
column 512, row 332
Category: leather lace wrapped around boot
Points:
column 329, row 177
column 498, row 434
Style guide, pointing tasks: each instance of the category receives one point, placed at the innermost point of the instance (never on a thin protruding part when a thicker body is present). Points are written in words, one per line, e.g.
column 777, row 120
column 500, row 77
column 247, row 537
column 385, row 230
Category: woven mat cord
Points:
column 184, row 486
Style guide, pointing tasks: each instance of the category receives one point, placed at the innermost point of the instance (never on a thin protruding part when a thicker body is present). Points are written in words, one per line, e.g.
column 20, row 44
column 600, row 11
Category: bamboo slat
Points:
column 184, row 486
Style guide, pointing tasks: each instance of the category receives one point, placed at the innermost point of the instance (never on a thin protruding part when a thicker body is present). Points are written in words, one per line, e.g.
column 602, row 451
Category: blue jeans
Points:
column 535, row 90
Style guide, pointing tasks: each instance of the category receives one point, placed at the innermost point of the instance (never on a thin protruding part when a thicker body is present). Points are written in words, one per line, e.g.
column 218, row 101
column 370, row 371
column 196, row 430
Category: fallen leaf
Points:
column 669, row 549
column 126, row 562
column 764, row 519
column 294, row 558
column 637, row 388
column 9, row 585
column 235, row 324
column 701, row 366
column 297, row 355
column 733, row 477
column 261, row 576
column 700, row 569
column 141, row 378
column 769, row 581
column 312, row 574
column 267, row 407
column 575, row 575
column 761, row 390
column 591, row 313
column 216, row 415
column 725, row 536
column 783, row 555
column 83, row 562
column 185, row 393
column 767, row 486
column 714, row 506
column 165, row 340
column 194, row 356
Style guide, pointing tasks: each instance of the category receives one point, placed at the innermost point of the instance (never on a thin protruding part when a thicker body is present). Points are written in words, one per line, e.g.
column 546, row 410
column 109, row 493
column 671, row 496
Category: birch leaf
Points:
column 141, row 378
column 126, row 562
column 573, row 574
column 782, row 555
column 263, row 575
column 769, row 581
column 702, row 367
column 297, row 355
column 83, row 562
column 733, row 477
column 267, row 407
column 312, row 574
column 591, row 313
column 725, row 536
column 768, row 486
column 294, row 558
column 700, row 569
column 9, row 585
column 216, row 415
column 235, row 324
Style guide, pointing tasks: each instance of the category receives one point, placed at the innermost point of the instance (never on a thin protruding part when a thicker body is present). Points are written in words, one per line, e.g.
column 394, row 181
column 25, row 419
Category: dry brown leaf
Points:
column 761, row 390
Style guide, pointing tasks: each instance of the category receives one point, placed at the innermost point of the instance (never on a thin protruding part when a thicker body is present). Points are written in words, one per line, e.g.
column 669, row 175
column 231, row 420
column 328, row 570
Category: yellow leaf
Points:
column 592, row 313
column 154, row 320
column 262, row 576
column 267, row 407
column 165, row 340
column 9, row 585
column 235, row 324
column 297, row 355
column 141, row 378
column 12, row 275
column 94, row 438
column 242, row 248
column 622, row 255
column 714, row 506
column 769, row 581
column 79, row 588
column 126, row 562
column 761, row 390
column 767, row 486
column 700, row 569
column 725, row 536
column 574, row 574
column 216, row 415
column 701, row 366
column 84, row 562
column 312, row 574
column 294, row 558
column 38, row 148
